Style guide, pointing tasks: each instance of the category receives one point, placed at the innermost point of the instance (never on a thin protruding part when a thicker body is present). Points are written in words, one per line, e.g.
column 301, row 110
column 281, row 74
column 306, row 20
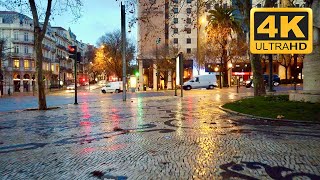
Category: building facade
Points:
column 18, row 62
column 179, row 26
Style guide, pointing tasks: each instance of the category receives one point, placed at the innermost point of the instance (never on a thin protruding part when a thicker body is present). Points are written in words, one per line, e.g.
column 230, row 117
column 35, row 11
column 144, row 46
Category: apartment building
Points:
column 18, row 62
column 175, row 24
column 179, row 24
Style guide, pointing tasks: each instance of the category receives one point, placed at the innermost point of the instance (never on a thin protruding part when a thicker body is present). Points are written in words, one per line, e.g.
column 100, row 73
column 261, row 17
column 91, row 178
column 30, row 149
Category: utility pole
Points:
column 198, row 36
column 157, row 60
column 73, row 55
column 123, row 35
column 181, row 72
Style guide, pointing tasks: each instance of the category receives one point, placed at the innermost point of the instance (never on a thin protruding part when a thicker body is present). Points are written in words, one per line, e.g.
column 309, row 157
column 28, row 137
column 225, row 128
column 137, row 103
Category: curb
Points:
column 264, row 118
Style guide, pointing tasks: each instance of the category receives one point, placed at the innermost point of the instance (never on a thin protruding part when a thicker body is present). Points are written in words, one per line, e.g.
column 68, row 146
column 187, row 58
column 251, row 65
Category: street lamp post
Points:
column 123, row 35
column 157, row 72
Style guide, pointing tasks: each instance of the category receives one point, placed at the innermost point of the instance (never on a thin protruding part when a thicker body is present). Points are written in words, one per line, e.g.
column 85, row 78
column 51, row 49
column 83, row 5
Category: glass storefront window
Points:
column 26, row 64
column 16, row 63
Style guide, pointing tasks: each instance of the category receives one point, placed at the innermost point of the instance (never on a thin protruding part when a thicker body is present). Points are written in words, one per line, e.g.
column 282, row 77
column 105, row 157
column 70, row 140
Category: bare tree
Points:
column 41, row 14
column 166, row 60
column 244, row 7
column 111, row 44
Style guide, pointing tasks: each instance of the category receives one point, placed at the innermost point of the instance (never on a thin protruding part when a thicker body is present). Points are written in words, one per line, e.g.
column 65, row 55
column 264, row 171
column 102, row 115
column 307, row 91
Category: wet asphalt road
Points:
column 64, row 97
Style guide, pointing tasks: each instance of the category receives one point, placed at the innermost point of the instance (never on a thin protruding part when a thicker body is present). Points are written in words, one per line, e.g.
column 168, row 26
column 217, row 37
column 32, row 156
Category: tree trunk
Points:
column 256, row 66
column 286, row 73
column 259, row 88
column 225, row 68
column 39, row 56
column 165, row 79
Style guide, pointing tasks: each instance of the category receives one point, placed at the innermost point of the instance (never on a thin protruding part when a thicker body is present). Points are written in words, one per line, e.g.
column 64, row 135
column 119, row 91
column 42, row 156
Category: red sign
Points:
column 241, row 73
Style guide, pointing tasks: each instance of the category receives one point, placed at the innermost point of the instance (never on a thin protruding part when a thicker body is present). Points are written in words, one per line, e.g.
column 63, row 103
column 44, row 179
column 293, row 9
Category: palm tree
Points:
column 223, row 25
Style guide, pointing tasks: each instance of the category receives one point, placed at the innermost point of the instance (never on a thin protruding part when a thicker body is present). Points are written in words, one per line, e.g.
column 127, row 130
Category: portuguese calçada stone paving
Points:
column 155, row 138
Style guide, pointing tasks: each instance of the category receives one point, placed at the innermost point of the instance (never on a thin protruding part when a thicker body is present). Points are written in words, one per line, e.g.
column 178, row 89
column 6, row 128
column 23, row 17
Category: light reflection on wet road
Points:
column 153, row 137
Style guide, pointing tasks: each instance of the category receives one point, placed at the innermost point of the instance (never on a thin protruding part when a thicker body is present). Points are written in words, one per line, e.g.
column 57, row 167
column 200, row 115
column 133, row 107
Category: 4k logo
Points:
column 281, row 30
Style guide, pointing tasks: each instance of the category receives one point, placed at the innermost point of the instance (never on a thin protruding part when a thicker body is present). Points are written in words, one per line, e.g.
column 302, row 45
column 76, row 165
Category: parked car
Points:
column 111, row 87
column 102, row 83
column 276, row 81
column 72, row 86
column 208, row 81
column 275, row 78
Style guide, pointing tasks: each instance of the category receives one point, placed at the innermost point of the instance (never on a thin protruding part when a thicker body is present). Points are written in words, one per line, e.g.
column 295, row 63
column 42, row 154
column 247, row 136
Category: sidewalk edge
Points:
column 264, row 118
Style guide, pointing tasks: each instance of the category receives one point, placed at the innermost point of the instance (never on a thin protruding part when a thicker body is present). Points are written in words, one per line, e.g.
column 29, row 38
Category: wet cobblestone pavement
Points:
column 155, row 138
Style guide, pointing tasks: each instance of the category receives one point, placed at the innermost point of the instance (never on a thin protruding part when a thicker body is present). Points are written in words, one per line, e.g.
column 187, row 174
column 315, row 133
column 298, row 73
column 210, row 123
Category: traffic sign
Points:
column 281, row 30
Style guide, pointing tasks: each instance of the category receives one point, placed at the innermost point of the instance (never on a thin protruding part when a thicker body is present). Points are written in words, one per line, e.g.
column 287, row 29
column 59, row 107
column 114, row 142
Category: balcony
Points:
column 46, row 59
column 61, row 47
column 29, row 69
column 46, row 47
column 22, row 41
column 27, row 55
column 15, row 54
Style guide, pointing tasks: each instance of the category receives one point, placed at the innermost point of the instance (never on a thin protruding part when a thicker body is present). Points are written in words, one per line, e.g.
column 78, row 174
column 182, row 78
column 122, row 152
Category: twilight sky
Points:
column 98, row 18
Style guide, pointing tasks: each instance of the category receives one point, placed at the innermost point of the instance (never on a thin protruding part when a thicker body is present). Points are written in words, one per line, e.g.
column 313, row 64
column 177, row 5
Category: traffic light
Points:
column 78, row 57
column 72, row 52
column 137, row 74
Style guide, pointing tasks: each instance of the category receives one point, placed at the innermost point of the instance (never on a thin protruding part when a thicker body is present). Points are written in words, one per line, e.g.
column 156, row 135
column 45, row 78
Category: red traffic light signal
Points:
column 83, row 79
column 72, row 49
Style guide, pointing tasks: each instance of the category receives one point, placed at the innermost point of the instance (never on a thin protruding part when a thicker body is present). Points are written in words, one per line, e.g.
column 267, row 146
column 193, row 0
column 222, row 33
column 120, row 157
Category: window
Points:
column 259, row 5
column 175, row 1
column 16, row 49
column 189, row 1
column 175, row 41
column 188, row 30
column 189, row 20
column 175, row 10
column 196, row 79
column 297, row 5
column 188, row 10
column 32, row 64
column 26, row 38
column 26, row 49
column 16, row 35
column 188, row 50
column 26, row 64
column 16, row 63
column 175, row 30
column 57, row 67
column 175, row 20
column 188, row 40
column 52, row 67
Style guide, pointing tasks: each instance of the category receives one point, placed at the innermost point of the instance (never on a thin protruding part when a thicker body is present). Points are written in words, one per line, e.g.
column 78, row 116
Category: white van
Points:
column 112, row 87
column 208, row 81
